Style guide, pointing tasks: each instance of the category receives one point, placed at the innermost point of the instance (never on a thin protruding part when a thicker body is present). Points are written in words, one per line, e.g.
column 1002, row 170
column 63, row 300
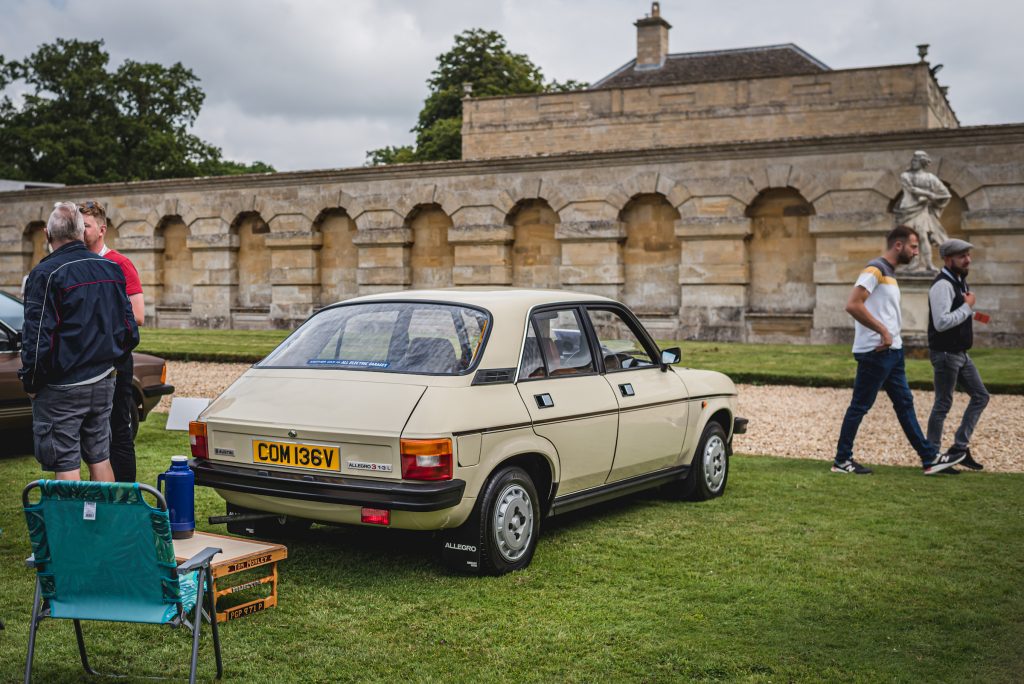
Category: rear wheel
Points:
column 709, row 470
column 509, row 522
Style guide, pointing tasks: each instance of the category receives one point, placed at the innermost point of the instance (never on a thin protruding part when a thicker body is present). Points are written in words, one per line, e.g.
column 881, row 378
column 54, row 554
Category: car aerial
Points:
column 476, row 412
column 149, row 381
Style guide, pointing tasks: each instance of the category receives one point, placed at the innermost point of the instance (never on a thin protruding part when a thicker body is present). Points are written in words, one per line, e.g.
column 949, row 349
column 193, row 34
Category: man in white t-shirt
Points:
column 874, row 304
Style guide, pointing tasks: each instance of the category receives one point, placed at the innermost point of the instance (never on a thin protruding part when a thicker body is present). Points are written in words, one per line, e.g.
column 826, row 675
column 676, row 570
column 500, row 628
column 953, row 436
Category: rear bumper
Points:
column 399, row 496
column 739, row 425
column 157, row 390
column 151, row 397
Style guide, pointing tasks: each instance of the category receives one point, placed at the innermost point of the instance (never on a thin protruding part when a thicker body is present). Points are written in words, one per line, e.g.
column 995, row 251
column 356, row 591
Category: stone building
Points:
column 728, row 195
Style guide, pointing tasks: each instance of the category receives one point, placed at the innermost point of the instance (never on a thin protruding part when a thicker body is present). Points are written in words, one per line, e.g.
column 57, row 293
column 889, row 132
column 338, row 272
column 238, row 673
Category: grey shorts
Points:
column 72, row 424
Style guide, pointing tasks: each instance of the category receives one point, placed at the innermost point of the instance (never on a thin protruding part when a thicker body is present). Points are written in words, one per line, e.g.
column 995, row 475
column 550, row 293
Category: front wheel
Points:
column 709, row 470
column 509, row 522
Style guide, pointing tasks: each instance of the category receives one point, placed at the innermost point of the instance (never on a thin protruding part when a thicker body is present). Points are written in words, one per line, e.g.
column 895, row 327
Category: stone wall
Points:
column 841, row 102
column 760, row 241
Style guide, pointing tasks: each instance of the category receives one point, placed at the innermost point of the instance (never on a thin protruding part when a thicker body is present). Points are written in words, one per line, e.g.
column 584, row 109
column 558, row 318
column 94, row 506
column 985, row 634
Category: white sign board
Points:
column 184, row 411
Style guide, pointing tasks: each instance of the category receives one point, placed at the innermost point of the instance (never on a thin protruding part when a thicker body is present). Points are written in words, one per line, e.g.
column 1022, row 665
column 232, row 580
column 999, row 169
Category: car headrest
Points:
column 429, row 355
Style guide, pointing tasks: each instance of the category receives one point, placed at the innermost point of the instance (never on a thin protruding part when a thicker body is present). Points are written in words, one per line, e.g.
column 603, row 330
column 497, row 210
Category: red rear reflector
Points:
column 427, row 459
column 375, row 516
column 197, row 439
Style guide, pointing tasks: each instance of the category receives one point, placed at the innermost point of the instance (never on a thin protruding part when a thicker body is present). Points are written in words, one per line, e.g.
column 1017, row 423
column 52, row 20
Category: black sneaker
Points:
column 850, row 467
column 951, row 471
column 969, row 461
column 943, row 461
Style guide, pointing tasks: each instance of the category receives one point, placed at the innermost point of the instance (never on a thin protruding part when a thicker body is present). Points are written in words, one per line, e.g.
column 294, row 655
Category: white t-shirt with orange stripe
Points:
column 883, row 301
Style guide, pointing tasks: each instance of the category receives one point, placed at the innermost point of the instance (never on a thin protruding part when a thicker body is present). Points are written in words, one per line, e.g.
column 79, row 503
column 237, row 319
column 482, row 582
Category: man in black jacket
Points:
column 950, row 335
column 78, row 324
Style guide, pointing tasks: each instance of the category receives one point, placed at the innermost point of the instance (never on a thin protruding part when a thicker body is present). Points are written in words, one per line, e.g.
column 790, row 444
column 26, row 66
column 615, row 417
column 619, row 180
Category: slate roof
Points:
column 717, row 65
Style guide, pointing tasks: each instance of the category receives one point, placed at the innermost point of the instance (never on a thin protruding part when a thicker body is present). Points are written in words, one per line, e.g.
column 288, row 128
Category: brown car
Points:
column 150, row 380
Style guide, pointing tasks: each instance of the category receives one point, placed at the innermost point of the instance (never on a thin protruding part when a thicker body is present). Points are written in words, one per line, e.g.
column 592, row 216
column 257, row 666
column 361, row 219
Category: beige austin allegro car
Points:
column 474, row 412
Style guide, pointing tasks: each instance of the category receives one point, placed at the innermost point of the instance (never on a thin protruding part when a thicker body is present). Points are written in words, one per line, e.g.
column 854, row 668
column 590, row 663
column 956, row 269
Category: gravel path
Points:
column 794, row 422
column 803, row 422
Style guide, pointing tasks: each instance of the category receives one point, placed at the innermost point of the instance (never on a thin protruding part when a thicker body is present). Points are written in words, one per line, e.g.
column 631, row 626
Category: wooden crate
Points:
column 236, row 556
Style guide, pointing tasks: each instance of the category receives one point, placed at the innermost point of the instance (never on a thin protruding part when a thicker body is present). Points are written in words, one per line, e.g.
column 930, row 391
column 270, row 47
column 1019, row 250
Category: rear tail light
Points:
column 163, row 374
column 197, row 439
column 375, row 516
column 427, row 459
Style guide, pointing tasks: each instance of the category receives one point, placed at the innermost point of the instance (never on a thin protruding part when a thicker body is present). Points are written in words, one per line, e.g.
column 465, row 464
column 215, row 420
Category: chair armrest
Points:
column 199, row 560
column 30, row 562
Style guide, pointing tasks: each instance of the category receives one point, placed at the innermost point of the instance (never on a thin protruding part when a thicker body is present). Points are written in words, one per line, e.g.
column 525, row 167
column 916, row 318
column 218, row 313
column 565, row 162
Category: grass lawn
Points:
column 832, row 365
column 814, row 365
column 795, row 574
column 210, row 345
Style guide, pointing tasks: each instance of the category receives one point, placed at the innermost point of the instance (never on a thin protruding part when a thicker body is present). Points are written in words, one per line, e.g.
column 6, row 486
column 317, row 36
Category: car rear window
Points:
column 398, row 337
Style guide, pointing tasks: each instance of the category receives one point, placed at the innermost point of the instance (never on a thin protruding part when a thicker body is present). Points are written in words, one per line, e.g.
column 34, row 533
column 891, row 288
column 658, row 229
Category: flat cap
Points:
column 951, row 247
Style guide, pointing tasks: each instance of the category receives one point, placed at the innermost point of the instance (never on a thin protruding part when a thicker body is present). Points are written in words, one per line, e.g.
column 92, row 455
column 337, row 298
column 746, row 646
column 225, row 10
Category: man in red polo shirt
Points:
column 122, row 440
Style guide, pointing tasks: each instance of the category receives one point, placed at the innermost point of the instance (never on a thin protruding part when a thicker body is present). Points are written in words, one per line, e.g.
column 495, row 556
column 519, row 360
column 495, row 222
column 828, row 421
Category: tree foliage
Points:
column 481, row 59
column 78, row 122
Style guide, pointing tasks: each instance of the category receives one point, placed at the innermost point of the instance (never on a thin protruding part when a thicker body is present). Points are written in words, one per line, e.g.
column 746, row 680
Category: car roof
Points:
column 508, row 305
column 487, row 296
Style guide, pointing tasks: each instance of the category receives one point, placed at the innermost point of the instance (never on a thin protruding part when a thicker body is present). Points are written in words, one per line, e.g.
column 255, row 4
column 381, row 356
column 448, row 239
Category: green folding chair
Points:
column 101, row 552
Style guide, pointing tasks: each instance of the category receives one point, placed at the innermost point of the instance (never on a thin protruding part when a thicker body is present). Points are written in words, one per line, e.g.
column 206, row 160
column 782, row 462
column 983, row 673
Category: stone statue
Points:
column 924, row 198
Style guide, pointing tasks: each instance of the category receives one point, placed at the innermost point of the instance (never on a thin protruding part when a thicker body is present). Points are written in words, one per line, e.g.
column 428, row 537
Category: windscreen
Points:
column 399, row 337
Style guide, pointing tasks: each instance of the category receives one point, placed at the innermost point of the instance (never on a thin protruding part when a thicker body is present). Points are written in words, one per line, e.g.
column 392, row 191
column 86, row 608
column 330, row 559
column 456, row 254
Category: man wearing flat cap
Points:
column 950, row 336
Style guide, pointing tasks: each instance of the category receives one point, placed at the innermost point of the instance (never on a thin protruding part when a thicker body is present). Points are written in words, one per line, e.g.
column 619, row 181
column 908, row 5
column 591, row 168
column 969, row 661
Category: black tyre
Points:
column 509, row 522
column 709, row 470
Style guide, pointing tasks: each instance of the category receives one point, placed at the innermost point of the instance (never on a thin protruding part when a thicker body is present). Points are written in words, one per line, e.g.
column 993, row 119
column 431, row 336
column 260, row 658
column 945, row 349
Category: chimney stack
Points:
column 651, row 39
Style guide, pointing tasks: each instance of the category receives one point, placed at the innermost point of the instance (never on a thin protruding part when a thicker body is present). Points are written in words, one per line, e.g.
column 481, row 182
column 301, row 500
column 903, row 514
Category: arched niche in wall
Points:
column 254, row 289
column 175, row 264
column 953, row 216
column 339, row 256
column 536, row 254
column 431, row 256
column 35, row 242
column 782, row 253
column 113, row 233
column 650, row 255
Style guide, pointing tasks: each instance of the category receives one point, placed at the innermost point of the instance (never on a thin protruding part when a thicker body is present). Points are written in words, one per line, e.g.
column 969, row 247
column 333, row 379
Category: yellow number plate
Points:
column 313, row 456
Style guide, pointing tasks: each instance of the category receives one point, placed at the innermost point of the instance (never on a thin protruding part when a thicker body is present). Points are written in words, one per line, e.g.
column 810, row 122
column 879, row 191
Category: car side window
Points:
column 557, row 338
column 620, row 345
column 533, row 363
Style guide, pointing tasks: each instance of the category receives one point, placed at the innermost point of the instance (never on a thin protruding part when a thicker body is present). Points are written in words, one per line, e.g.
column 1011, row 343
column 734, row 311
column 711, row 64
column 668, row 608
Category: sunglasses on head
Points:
column 89, row 207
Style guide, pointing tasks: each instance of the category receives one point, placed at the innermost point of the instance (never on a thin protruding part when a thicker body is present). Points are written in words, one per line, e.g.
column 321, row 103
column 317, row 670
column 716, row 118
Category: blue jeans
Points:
column 877, row 370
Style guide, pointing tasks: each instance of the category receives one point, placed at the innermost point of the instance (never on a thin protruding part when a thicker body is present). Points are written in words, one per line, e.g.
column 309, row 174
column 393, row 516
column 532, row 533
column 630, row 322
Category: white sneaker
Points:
column 943, row 461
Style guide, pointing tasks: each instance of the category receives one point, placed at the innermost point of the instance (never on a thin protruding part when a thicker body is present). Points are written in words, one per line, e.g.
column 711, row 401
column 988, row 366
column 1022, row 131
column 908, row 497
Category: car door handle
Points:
column 626, row 389
column 544, row 400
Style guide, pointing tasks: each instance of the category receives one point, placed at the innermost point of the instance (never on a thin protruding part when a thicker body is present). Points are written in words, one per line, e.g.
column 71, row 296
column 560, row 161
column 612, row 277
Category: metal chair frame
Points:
column 201, row 562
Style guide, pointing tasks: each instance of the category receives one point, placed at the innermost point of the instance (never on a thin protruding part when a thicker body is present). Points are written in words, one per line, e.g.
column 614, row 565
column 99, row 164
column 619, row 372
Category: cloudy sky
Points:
column 310, row 84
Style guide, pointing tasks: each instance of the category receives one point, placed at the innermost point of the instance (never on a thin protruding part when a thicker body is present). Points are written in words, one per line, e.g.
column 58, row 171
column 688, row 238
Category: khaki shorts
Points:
column 72, row 424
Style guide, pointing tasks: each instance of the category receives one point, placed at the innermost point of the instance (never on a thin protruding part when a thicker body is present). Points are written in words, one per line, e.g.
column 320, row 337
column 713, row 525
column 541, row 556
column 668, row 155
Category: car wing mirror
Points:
column 670, row 357
column 12, row 343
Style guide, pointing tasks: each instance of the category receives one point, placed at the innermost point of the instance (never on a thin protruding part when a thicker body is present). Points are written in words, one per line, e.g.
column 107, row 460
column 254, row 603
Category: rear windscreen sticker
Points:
column 348, row 362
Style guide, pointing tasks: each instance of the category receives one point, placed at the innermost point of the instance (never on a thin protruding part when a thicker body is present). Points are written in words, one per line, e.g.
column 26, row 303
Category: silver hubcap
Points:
column 513, row 522
column 715, row 463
